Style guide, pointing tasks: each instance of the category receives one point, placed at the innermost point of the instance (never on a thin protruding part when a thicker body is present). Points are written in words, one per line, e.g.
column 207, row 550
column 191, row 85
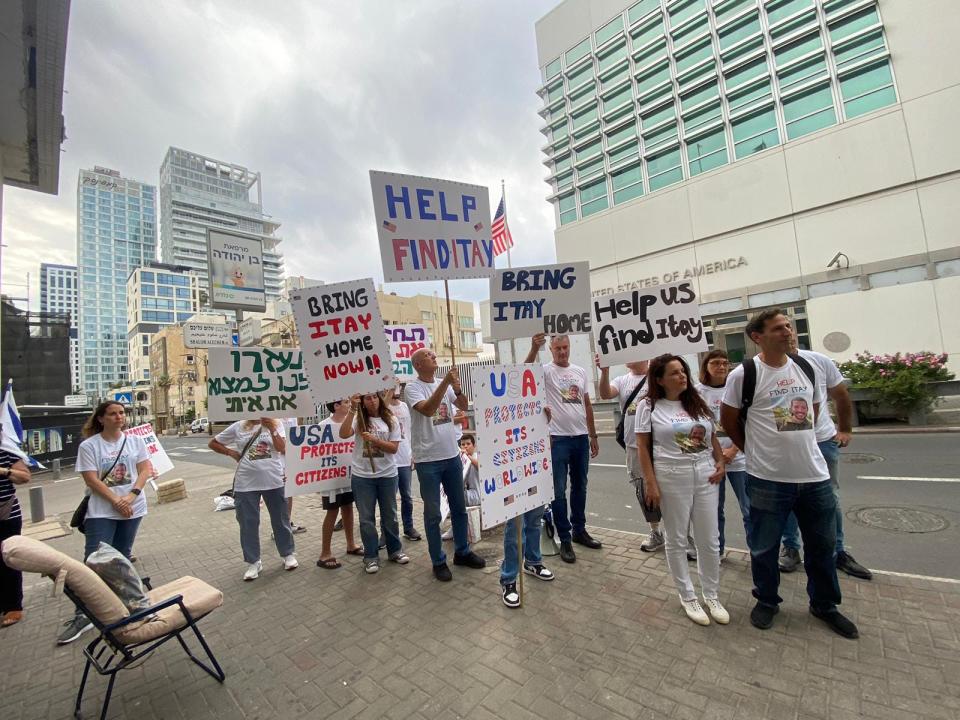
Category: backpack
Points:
column 621, row 425
column 750, row 383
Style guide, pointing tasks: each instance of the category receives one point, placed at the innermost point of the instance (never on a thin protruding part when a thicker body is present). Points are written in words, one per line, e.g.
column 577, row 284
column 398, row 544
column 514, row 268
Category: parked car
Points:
column 200, row 425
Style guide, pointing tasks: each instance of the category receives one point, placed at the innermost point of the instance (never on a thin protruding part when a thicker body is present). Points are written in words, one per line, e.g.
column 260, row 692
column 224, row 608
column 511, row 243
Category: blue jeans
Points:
column 405, row 482
column 531, row 544
column 449, row 474
column 815, row 506
column 569, row 453
column 247, row 508
column 738, row 481
column 791, row 532
column 368, row 494
column 118, row 534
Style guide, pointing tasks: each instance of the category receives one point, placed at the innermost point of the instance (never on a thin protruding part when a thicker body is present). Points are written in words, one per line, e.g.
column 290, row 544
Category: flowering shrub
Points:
column 902, row 380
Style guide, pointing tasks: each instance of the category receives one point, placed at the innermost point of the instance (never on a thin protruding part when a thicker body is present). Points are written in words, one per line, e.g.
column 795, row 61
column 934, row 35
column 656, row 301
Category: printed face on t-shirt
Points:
column 117, row 476
column 571, row 394
column 442, row 416
column 793, row 414
column 259, row 450
column 690, row 437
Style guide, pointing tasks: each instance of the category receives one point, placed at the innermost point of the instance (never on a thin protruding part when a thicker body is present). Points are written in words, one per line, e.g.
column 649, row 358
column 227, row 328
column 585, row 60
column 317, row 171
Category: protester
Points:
column 631, row 387
column 374, row 475
column 115, row 468
column 13, row 471
column 714, row 370
column 258, row 447
column 337, row 500
column 532, row 559
column 471, row 477
column 829, row 440
column 573, row 441
column 438, row 459
column 785, row 472
column 404, row 459
column 683, row 467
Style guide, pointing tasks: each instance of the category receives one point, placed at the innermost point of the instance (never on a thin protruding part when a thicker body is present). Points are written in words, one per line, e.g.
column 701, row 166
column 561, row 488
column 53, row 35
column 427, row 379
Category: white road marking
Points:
column 203, row 450
column 75, row 477
column 596, row 464
column 174, row 453
column 908, row 479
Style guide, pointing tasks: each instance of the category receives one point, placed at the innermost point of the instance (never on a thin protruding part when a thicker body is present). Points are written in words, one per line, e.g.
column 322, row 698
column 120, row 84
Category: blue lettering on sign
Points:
column 423, row 202
column 398, row 198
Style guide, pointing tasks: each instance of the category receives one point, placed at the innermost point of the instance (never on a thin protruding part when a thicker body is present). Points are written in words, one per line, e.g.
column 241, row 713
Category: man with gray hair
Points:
column 573, row 441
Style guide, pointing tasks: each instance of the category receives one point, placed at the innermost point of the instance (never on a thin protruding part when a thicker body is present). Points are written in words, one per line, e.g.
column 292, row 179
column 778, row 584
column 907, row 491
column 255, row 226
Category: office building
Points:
column 777, row 153
column 431, row 311
column 178, row 380
column 198, row 192
column 116, row 233
column 58, row 294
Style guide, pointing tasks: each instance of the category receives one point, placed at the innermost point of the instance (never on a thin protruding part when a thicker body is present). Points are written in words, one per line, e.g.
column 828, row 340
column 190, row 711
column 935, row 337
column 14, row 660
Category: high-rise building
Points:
column 116, row 232
column 58, row 294
column 198, row 192
column 776, row 153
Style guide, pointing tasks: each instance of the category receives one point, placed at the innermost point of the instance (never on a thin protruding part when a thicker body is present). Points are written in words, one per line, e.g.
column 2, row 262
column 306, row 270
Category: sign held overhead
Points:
column 552, row 299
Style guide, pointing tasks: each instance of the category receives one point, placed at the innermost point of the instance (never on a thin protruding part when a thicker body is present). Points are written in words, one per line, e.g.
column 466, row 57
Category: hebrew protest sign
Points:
column 257, row 382
column 205, row 335
column 317, row 460
column 514, row 442
column 341, row 334
column 404, row 341
column 158, row 456
column 554, row 299
column 431, row 229
column 642, row 324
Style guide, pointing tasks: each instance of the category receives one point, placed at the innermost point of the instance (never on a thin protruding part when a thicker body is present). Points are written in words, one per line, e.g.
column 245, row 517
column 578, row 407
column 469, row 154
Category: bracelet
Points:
column 135, row 490
column 594, row 437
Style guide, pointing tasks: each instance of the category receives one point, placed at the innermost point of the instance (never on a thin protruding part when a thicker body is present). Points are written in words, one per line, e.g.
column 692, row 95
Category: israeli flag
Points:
column 11, row 429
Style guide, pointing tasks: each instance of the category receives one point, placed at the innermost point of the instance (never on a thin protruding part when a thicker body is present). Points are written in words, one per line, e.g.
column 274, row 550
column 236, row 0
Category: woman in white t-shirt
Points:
column 374, row 475
column 115, row 468
column 682, row 467
column 258, row 447
column 714, row 370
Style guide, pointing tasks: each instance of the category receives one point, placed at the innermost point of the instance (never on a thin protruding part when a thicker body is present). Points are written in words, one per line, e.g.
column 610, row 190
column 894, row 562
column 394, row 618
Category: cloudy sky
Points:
column 313, row 95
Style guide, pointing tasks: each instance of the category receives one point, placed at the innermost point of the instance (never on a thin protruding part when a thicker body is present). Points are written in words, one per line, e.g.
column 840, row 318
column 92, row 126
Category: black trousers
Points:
column 11, row 581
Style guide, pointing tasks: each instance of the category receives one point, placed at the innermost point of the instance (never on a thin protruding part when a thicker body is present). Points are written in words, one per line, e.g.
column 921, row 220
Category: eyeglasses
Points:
column 719, row 363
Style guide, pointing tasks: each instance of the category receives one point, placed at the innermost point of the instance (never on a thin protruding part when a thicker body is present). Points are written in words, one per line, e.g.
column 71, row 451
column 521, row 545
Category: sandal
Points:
column 328, row 564
column 355, row 551
column 11, row 618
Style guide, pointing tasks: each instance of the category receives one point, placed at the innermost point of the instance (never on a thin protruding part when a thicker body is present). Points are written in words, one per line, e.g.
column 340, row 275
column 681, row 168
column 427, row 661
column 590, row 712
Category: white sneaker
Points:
column 253, row 571
column 717, row 611
column 447, row 534
column 290, row 562
column 400, row 558
column 371, row 566
column 694, row 611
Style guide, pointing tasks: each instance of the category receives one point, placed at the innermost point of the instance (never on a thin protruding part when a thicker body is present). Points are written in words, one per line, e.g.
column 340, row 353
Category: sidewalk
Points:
column 607, row 639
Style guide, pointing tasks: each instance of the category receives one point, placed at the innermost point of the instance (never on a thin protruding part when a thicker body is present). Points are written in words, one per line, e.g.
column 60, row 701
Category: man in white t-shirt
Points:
column 437, row 456
column 785, row 471
column 404, row 458
column 829, row 440
column 573, row 441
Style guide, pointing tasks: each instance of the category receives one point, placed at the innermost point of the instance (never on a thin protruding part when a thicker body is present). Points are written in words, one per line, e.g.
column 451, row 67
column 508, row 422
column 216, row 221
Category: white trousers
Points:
column 687, row 499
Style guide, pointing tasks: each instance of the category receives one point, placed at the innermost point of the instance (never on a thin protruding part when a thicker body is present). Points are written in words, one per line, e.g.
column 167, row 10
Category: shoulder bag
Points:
column 80, row 514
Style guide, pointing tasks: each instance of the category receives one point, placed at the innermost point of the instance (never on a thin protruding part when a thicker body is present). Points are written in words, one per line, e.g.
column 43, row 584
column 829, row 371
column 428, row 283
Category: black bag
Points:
column 750, row 383
column 79, row 518
column 620, row 425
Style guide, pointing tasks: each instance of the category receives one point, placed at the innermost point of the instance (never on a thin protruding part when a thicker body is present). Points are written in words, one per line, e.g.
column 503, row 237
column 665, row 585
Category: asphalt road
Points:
column 897, row 524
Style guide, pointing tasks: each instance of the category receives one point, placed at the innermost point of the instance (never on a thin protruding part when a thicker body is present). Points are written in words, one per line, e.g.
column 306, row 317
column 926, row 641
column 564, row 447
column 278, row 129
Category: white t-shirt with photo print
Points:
column 384, row 464
column 713, row 396
column 677, row 436
column 261, row 467
column 433, row 438
column 625, row 385
column 97, row 455
column 780, row 445
column 566, row 390
column 828, row 377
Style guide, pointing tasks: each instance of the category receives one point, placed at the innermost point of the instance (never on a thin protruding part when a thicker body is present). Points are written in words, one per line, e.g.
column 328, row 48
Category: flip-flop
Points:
column 328, row 564
column 355, row 551
column 11, row 618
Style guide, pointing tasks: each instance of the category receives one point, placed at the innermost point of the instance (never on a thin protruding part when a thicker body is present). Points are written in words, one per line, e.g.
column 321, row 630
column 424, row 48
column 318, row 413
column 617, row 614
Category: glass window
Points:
column 731, row 8
column 618, row 98
column 148, row 289
column 780, row 9
column 585, row 117
column 858, row 49
column 691, row 30
column 802, row 72
column 750, row 95
column 612, row 56
column 590, row 169
column 740, row 30
column 565, row 181
column 582, row 49
column 642, row 9
column 580, row 76
column 558, row 131
column 164, row 291
column 561, row 164
column 183, row 292
column 867, row 89
column 593, row 197
column 555, row 92
column 696, row 53
column 704, row 116
column 797, row 48
column 662, row 113
column 630, row 151
column 650, row 31
column 707, row 152
column 617, row 136
column 609, row 30
column 832, row 6
column 588, row 150
column 854, row 23
column 627, row 184
column 702, row 94
column 568, row 209
column 615, row 77
column 650, row 54
column 585, row 93
column 653, row 77
column 809, row 111
column 755, row 132
column 552, row 69
column 682, row 10
column 665, row 169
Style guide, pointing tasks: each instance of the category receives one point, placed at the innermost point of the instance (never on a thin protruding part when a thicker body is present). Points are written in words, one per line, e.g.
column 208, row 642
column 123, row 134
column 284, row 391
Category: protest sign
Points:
column 158, row 456
column 642, row 324
column 431, row 229
column 514, row 442
column 552, row 299
column 256, row 382
column 404, row 341
column 317, row 460
column 235, row 267
column 341, row 334
column 206, row 335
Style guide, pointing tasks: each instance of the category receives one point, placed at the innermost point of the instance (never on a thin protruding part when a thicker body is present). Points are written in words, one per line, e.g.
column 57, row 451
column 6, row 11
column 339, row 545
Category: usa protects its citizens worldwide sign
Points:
column 431, row 229
column 552, row 299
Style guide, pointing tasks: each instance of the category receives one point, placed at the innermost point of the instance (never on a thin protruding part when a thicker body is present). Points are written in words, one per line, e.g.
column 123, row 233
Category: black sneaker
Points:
column 412, row 534
column 470, row 560
column 789, row 559
column 538, row 571
column 338, row 525
column 837, row 622
column 511, row 598
column 74, row 628
column 762, row 615
column 566, row 552
column 442, row 573
column 583, row 538
column 847, row 564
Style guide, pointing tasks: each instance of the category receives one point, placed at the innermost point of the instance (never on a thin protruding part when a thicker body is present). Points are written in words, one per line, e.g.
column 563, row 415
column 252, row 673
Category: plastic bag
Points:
column 473, row 524
column 223, row 502
column 120, row 576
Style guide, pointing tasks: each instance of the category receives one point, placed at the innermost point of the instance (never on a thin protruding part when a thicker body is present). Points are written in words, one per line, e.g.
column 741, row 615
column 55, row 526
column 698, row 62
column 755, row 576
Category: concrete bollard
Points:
column 56, row 469
column 36, row 505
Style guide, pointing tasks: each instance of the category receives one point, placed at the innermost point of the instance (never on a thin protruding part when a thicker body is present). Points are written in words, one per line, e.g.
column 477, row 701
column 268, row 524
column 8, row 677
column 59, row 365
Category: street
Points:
column 892, row 524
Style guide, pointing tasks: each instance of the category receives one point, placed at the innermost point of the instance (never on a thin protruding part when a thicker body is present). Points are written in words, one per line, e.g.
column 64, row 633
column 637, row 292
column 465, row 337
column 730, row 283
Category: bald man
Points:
column 437, row 457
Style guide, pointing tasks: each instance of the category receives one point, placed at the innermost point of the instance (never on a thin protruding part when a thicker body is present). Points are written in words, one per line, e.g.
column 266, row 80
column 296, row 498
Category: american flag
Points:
column 500, row 232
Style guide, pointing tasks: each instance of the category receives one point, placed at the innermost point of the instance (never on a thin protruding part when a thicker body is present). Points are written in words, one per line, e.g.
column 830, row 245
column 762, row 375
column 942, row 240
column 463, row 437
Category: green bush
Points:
column 901, row 381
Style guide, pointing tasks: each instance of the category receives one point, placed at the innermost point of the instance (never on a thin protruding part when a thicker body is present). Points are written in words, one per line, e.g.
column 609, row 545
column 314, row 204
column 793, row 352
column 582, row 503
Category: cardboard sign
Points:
column 257, row 382
column 642, row 324
column 206, row 335
column 404, row 341
column 341, row 335
column 158, row 456
column 516, row 473
column 317, row 460
column 431, row 229
column 553, row 299
column 235, row 266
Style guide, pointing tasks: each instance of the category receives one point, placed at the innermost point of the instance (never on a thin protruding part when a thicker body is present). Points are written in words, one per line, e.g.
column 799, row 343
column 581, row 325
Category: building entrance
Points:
column 728, row 331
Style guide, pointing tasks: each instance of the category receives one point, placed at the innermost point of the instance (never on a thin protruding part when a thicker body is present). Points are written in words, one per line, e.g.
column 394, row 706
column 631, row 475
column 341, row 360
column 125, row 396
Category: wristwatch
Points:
column 135, row 491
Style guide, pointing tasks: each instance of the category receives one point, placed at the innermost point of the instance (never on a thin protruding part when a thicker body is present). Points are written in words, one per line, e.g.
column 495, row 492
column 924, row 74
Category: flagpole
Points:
column 503, row 194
